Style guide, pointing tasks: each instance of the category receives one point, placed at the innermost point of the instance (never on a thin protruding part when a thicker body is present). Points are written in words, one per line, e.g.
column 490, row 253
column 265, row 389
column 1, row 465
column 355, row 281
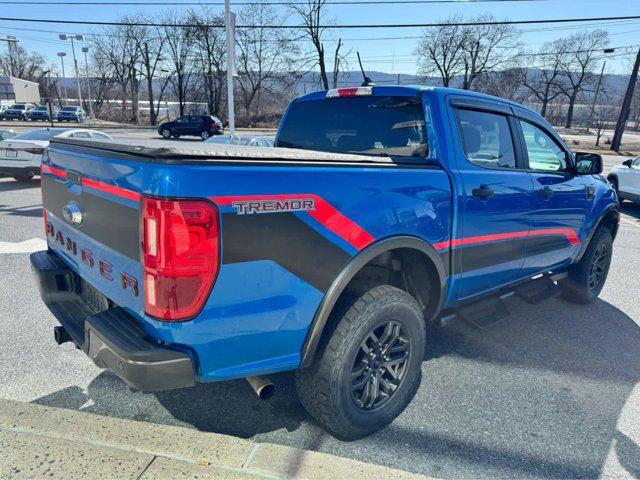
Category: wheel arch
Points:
column 610, row 217
column 349, row 272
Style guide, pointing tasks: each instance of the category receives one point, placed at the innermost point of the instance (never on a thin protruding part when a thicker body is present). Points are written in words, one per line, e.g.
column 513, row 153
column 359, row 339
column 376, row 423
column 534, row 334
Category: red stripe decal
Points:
column 324, row 213
column 54, row 171
column 113, row 190
column 569, row 233
column 103, row 187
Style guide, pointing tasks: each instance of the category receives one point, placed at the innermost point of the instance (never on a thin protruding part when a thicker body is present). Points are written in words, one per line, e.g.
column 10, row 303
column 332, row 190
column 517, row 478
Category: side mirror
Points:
column 588, row 163
column 628, row 163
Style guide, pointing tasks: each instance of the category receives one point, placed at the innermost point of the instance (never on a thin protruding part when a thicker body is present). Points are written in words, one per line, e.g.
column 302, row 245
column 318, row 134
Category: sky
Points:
column 387, row 50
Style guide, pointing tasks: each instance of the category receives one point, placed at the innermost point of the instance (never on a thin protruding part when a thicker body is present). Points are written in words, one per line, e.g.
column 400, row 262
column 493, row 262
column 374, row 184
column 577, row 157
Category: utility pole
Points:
column 626, row 106
column 85, row 50
column 230, row 24
column 64, row 85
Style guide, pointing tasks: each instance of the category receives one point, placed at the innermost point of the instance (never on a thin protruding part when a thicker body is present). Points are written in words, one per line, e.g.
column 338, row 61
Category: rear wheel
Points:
column 204, row 135
column 587, row 278
column 25, row 177
column 367, row 368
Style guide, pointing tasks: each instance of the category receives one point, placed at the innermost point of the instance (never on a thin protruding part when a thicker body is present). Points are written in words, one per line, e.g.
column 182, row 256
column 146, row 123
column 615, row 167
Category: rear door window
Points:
column 486, row 139
column 373, row 125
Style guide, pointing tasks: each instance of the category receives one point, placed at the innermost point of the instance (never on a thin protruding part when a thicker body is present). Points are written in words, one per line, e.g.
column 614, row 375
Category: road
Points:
column 551, row 391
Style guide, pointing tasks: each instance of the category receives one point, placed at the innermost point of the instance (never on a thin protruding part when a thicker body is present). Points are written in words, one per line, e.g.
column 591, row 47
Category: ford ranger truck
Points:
column 381, row 210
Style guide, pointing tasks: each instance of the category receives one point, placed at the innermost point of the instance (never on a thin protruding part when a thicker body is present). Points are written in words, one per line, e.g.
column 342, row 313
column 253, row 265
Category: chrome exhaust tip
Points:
column 263, row 387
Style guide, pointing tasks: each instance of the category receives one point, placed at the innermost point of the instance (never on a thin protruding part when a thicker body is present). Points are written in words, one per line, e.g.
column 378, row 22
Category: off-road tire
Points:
column 325, row 388
column 578, row 286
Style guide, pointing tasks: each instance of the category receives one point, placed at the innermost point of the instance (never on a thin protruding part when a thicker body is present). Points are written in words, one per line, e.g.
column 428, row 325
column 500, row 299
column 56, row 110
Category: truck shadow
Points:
column 632, row 210
column 10, row 185
column 539, row 394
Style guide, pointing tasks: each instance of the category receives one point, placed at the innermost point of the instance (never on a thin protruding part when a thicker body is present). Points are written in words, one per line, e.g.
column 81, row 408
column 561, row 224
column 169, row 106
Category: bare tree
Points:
column 505, row 84
column 440, row 51
column 266, row 59
column 542, row 75
column 603, row 117
column 19, row 63
column 179, row 43
column 210, row 56
column 116, row 54
column 581, row 54
column 312, row 13
column 486, row 48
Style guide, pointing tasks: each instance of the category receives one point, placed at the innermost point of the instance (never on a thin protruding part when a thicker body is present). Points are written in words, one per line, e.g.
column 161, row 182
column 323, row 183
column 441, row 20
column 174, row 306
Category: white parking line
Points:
column 629, row 222
column 27, row 246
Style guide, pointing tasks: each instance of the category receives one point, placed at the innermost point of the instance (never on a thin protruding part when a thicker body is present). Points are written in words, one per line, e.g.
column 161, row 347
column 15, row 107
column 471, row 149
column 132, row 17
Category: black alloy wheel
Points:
column 380, row 366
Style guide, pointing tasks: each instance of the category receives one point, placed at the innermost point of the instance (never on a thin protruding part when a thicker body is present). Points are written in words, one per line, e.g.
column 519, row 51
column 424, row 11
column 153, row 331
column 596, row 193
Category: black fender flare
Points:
column 610, row 208
column 343, row 278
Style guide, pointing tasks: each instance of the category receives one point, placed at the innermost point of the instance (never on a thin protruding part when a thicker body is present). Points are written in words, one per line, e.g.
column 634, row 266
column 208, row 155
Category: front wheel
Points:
column 367, row 368
column 166, row 133
column 587, row 278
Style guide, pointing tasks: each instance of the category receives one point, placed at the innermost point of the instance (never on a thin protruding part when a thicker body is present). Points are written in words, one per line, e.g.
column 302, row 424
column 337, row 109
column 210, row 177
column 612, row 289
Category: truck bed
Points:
column 175, row 152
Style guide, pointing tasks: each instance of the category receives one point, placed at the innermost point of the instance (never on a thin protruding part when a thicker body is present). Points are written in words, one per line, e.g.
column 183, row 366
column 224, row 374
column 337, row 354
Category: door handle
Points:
column 483, row 192
column 546, row 193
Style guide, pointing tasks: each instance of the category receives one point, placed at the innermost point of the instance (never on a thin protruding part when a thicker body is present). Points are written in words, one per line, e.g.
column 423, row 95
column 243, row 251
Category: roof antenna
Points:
column 367, row 81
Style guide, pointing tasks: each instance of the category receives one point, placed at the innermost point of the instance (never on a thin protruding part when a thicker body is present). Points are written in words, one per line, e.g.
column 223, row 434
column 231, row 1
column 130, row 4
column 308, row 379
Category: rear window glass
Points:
column 42, row 107
column 385, row 126
column 39, row 134
column 70, row 109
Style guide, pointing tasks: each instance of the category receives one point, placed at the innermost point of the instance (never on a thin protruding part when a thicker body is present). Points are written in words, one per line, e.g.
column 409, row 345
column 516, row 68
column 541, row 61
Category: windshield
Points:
column 40, row 134
column 225, row 140
column 69, row 109
column 385, row 126
column 17, row 107
column 42, row 107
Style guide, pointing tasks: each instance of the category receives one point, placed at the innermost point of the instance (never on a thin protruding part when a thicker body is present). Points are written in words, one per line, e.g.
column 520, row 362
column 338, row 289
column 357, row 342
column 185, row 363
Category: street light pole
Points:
column 85, row 50
column 64, row 36
column 64, row 85
column 230, row 25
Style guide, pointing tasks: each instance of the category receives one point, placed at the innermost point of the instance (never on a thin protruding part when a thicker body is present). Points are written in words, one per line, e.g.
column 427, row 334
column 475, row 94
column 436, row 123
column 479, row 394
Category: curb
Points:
column 36, row 441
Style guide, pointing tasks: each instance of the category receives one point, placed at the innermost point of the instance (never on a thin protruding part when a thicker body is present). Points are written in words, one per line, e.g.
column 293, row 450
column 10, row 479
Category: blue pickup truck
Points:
column 381, row 210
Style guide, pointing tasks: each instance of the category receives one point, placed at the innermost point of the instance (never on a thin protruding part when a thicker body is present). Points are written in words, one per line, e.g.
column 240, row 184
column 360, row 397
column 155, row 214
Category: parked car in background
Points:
column 6, row 134
column 41, row 112
column 245, row 140
column 71, row 114
column 19, row 111
column 625, row 179
column 21, row 155
column 2, row 110
column 202, row 126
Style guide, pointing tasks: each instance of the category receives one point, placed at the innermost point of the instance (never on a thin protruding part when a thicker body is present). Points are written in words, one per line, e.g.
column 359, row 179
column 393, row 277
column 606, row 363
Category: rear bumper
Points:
column 5, row 170
column 111, row 337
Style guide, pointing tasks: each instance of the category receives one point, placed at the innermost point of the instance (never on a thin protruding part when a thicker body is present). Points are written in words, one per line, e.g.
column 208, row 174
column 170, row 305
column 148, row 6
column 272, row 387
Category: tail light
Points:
column 180, row 256
column 34, row 151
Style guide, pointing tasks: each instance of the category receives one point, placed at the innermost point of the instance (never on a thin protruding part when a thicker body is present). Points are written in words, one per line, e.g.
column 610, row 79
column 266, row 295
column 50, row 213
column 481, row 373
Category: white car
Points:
column 625, row 179
column 246, row 140
column 20, row 156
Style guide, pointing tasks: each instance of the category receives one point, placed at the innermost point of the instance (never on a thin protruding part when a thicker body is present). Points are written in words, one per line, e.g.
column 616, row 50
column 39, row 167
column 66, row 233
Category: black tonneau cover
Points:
column 173, row 152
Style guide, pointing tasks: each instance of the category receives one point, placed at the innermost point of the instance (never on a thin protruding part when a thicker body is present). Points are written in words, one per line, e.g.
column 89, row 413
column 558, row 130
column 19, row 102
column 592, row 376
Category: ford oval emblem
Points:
column 72, row 213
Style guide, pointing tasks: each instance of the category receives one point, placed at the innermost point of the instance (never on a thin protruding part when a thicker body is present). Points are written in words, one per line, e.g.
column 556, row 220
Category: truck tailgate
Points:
column 91, row 206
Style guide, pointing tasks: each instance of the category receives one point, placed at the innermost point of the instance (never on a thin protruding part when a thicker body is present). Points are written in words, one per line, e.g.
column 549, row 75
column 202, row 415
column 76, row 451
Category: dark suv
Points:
column 202, row 126
column 71, row 114
column 42, row 113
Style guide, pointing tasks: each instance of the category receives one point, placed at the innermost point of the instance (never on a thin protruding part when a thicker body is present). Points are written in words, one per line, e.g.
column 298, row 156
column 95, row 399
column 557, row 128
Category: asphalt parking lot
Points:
column 551, row 391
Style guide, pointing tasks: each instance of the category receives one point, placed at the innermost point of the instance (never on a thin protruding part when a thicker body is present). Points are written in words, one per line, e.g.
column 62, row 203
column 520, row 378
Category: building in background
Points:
column 15, row 90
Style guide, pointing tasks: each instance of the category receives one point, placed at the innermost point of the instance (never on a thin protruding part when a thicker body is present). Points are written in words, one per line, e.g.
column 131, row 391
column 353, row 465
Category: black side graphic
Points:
column 286, row 240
